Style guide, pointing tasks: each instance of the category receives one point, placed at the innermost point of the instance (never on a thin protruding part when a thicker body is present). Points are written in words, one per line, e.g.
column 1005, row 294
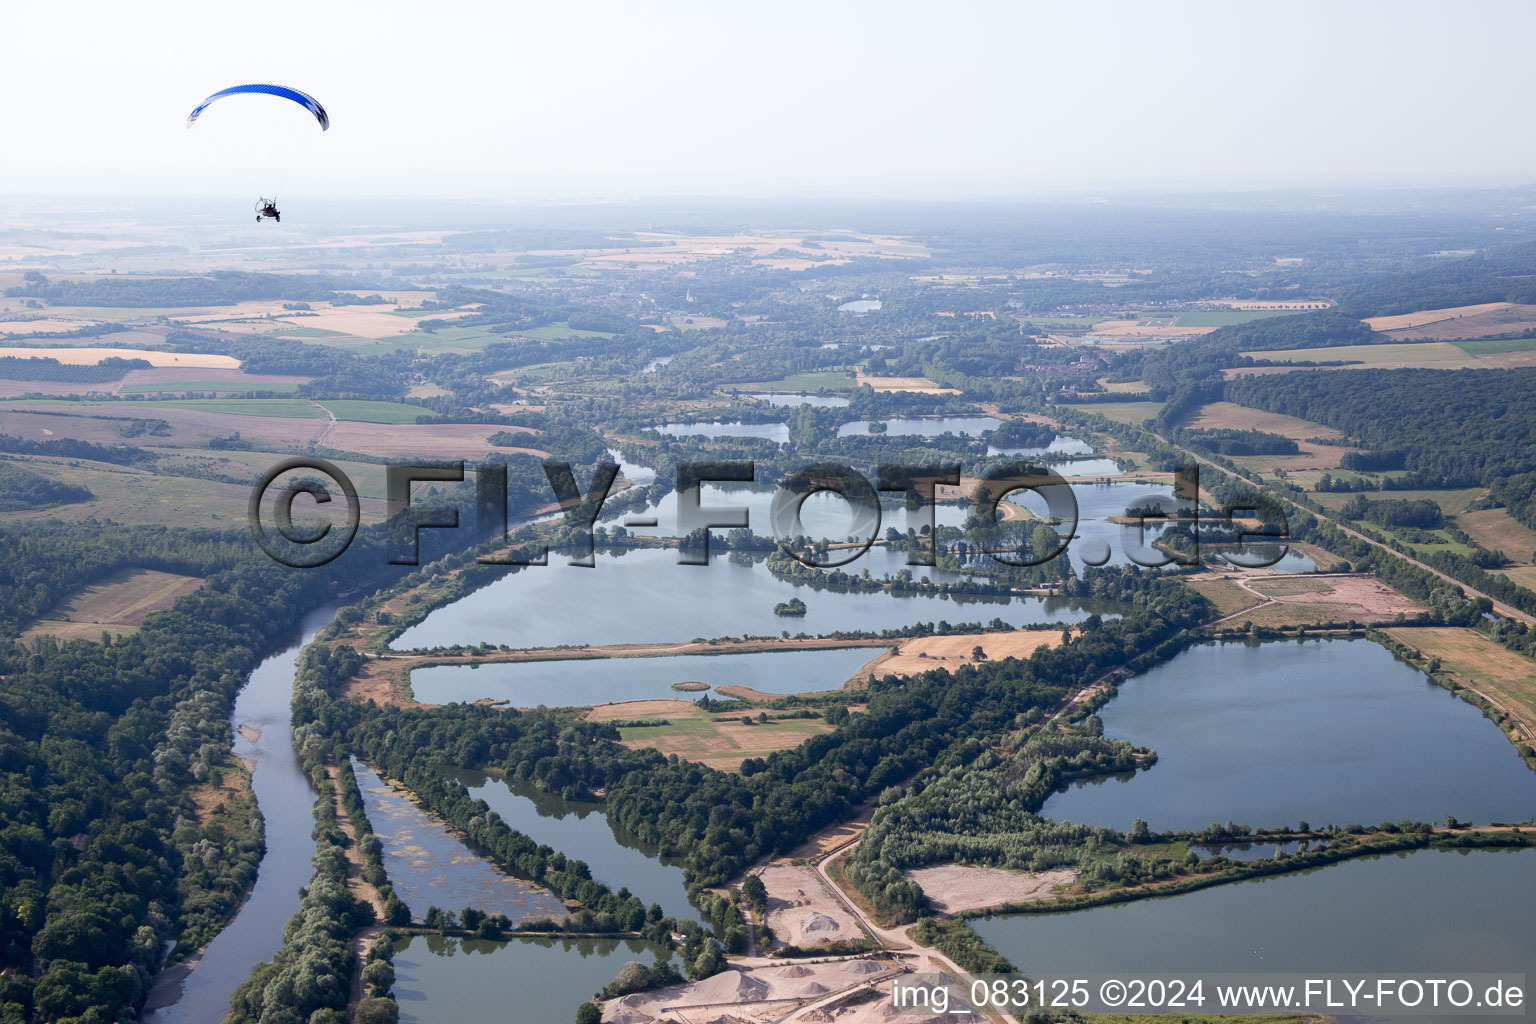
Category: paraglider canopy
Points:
column 303, row 99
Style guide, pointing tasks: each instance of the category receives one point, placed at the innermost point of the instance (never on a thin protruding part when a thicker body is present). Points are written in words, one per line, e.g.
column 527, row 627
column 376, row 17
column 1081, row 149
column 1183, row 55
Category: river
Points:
column 286, row 800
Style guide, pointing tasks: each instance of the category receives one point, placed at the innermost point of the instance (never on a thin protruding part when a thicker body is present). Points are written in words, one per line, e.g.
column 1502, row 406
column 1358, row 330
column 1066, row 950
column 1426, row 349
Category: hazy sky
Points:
column 888, row 99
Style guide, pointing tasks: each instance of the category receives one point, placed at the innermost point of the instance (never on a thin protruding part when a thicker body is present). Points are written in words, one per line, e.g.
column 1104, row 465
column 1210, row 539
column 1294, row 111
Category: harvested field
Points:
column 950, row 652
column 1229, row 415
column 43, row 326
column 1310, row 455
column 1525, row 575
column 189, row 427
column 421, row 440
column 1434, row 355
column 1478, row 663
column 696, row 735
column 1497, row 530
column 1502, row 318
column 920, row 385
column 1422, row 317
column 801, row 912
column 1134, row 330
column 1226, row 595
column 953, row 888
column 92, row 356
column 185, row 378
column 119, row 604
column 18, row 388
column 1124, row 412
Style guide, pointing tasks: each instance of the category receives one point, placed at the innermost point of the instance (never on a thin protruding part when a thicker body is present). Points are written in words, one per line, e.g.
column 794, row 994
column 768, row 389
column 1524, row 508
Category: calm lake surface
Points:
column 529, row 684
column 815, row 401
column 644, row 596
column 442, row 980
column 1060, row 445
column 772, row 431
column 1329, row 732
column 915, row 427
column 285, row 797
column 1416, row 913
column 431, row 867
column 578, row 828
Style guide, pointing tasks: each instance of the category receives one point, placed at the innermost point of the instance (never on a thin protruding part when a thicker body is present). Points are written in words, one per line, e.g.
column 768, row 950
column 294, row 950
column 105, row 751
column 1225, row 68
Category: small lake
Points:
column 644, row 596
column 1060, row 445
column 1328, row 731
column 859, row 306
column 772, row 431
column 973, row 426
column 814, row 401
column 430, row 867
column 442, row 980
column 578, row 828
column 1405, row 914
column 530, row 684
column 1085, row 467
column 822, row 514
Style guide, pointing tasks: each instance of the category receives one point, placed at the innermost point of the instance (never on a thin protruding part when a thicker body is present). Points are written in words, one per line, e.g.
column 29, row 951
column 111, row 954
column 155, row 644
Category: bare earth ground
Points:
column 953, row 888
column 950, row 652
column 1310, row 599
column 92, row 356
column 800, row 910
column 236, row 783
column 921, row 385
column 759, row 991
column 357, row 885
column 1505, row 678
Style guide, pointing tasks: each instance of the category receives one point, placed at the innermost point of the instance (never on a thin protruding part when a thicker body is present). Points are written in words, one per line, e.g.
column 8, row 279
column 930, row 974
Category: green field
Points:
column 375, row 412
column 1227, row 317
column 1063, row 323
column 309, row 332
column 832, row 380
column 1121, row 412
column 1496, row 346
column 291, row 408
column 229, row 387
column 561, row 331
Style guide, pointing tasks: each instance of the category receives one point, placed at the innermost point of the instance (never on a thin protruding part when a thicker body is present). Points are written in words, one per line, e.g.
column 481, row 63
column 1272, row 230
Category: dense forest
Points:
column 1462, row 428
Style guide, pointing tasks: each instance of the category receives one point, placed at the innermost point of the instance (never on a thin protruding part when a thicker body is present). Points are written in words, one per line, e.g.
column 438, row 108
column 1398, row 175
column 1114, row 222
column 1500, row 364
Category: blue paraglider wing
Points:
column 304, row 100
